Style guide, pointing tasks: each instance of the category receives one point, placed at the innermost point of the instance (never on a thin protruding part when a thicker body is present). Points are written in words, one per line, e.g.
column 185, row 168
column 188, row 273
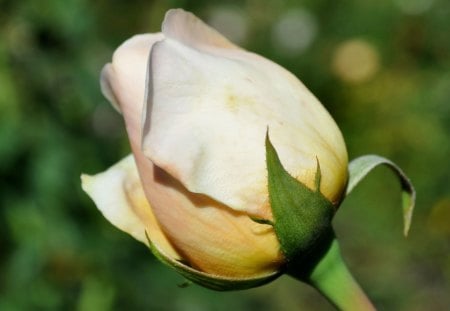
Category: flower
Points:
column 197, row 109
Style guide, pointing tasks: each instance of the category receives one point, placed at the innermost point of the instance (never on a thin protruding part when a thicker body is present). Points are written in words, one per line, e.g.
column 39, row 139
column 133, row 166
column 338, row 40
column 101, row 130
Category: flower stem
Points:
column 333, row 279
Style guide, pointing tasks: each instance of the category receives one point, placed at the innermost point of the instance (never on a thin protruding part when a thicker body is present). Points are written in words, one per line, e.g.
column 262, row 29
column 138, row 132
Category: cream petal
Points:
column 123, row 81
column 207, row 113
column 107, row 88
column 118, row 194
column 211, row 237
column 185, row 27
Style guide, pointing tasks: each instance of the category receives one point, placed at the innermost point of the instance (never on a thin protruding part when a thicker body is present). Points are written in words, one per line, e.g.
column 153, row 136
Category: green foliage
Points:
column 56, row 250
column 360, row 167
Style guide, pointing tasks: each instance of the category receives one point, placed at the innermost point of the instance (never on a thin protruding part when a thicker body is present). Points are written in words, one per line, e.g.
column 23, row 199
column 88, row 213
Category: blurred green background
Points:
column 380, row 67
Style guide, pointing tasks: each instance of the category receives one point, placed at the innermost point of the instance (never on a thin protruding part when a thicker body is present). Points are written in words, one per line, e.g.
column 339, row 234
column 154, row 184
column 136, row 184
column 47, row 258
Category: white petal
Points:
column 107, row 88
column 119, row 195
column 185, row 27
column 123, row 81
column 212, row 238
column 208, row 113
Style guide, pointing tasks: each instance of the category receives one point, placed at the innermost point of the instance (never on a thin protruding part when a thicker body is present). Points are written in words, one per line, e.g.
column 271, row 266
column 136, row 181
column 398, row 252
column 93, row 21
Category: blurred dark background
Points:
column 380, row 67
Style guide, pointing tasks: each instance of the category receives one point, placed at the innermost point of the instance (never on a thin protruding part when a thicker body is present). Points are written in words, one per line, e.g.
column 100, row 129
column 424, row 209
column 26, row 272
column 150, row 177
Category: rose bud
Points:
column 197, row 109
column 236, row 169
column 206, row 189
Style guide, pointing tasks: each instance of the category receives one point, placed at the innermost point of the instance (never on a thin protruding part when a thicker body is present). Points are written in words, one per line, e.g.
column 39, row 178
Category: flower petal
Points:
column 123, row 80
column 118, row 194
column 211, row 237
column 208, row 110
column 186, row 28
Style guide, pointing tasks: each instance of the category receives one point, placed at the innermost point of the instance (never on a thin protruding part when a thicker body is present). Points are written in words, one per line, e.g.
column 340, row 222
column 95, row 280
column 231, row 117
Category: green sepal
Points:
column 360, row 167
column 210, row 281
column 302, row 216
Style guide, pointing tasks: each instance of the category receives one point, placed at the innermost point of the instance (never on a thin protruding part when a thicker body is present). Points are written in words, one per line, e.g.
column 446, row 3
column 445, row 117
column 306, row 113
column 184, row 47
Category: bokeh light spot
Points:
column 294, row 31
column 355, row 61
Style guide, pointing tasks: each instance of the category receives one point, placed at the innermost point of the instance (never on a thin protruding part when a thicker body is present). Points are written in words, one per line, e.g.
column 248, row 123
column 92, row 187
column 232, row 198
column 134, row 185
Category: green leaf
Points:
column 210, row 281
column 302, row 216
column 360, row 167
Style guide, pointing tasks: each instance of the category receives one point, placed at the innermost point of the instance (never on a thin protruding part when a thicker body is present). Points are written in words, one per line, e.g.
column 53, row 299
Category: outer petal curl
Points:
column 119, row 195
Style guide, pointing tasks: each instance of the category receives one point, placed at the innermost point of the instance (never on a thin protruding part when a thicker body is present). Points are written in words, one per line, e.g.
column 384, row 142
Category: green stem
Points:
column 333, row 279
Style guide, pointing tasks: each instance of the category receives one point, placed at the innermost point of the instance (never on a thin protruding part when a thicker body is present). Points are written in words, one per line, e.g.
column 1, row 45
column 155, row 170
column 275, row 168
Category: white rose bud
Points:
column 197, row 109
